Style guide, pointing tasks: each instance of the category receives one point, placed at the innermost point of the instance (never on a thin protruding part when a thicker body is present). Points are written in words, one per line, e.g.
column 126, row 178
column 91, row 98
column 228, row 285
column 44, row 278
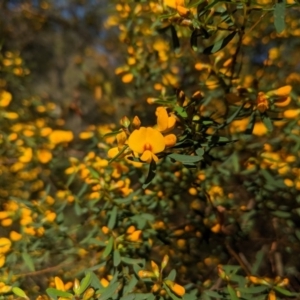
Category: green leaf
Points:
column 93, row 173
column 95, row 282
column 133, row 261
column 213, row 294
column 281, row 214
column 219, row 45
column 128, row 297
column 148, row 296
column 185, row 159
column 279, row 14
column 71, row 179
column 267, row 121
column 112, row 218
column 116, row 258
column 181, row 112
column 297, row 233
column 258, row 261
column 54, row 293
column 253, row 289
column 85, row 282
column 109, row 291
column 172, row 275
column 113, row 133
column 108, row 247
column 131, row 285
column 151, row 174
column 175, row 39
column 284, row 291
column 19, row 292
column 28, row 261
column 232, row 292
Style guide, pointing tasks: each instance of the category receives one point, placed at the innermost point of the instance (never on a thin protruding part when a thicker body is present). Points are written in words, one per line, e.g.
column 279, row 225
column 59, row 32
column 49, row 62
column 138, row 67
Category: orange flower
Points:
column 164, row 122
column 147, row 142
column 262, row 102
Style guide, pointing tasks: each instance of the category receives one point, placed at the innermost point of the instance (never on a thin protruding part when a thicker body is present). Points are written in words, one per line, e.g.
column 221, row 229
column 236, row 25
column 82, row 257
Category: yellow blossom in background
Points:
column 262, row 102
column 15, row 236
column 26, row 155
column 4, row 288
column 127, row 78
column 260, row 129
column 164, row 121
column 291, row 113
column 5, row 245
column 86, row 135
column 11, row 115
column 60, row 136
column 5, row 98
column 44, row 156
column 147, row 142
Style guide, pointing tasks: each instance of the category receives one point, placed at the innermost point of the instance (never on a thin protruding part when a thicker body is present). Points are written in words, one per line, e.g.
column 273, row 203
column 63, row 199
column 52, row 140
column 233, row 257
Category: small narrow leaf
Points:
column 19, row 292
column 113, row 218
column 185, row 159
column 175, row 39
column 279, row 14
column 219, row 44
column 28, row 261
column 151, row 174
column 108, row 247
column 54, row 293
column 232, row 292
column 85, row 282
column 116, row 258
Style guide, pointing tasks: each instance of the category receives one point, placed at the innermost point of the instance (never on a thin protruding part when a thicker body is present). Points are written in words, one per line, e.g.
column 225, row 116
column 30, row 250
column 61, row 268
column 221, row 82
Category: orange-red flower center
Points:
column 147, row 146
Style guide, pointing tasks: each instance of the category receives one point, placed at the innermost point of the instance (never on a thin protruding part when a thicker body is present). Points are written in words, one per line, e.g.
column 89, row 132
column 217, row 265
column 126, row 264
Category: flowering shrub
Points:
column 194, row 194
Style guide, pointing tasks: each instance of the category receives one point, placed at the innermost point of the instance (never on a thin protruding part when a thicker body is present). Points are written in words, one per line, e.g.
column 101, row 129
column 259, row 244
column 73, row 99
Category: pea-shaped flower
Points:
column 147, row 142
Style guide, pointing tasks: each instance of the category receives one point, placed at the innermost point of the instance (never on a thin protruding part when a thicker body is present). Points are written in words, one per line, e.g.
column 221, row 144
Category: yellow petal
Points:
column 60, row 136
column 162, row 118
column 283, row 91
column 5, row 98
column 59, row 284
column 291, row 113
column 146, row 156
column 26, row 156
column 44, row 156
column 170, row 140
column 283, row 101
column 113, row 152
column 2, row 260
column 260, row 129
column 5, row 245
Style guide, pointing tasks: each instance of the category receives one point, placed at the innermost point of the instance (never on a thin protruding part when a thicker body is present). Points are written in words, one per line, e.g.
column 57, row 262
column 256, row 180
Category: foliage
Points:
column 194, row 196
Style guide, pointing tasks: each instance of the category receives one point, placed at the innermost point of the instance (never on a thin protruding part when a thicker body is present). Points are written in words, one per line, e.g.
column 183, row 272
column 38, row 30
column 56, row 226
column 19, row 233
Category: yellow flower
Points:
column 11, row 115
column 2, row 260
column 86, row 135
column 60, row 136
column 262, row 102
column 26, row 156
column 147, row 142
column 179, row 5
column 5, row 98
column 15, row 236
column 164, row 122
column 44, row 156
column 4, row 288
column 5, row 245
column 291, row 113
column 259, row 129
